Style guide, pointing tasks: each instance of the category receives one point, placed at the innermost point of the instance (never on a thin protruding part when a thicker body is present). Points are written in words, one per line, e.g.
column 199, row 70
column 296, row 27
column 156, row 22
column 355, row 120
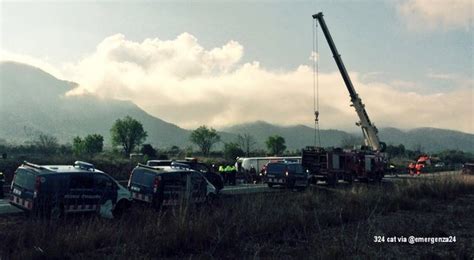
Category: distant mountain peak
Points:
column 27, row 79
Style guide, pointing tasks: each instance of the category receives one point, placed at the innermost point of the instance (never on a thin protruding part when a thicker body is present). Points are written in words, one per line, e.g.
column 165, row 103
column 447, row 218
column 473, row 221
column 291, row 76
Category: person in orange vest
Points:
column 411, row 168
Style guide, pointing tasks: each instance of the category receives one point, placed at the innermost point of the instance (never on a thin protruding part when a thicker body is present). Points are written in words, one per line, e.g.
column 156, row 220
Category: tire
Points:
column 121, row 207
column 269, row 185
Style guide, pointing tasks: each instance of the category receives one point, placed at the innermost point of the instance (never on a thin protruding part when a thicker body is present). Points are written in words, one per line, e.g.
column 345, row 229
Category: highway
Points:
column 6, row 208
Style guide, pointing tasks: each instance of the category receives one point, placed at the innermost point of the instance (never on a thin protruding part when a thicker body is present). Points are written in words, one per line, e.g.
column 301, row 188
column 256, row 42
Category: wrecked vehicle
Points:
column 55, row 190
column 169, row 186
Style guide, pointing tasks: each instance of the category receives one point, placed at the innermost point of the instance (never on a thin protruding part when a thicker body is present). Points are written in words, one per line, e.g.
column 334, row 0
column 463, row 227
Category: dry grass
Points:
column 317, row 224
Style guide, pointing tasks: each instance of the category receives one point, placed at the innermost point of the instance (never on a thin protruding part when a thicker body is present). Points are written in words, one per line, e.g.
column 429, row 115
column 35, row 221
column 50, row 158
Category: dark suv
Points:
column 169, row 185
column 289, row 174
column 53, row 190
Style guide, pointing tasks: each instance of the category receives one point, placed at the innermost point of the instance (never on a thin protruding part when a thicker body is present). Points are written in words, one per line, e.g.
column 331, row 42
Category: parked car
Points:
column 169, row 186
column 55, row 190
column 289, row 174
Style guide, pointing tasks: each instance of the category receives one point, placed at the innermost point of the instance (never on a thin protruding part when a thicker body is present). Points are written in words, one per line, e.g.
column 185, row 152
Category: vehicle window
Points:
column 81, row 181
column 102, row 181
column 276, row 167
column 296, row 168
column 143, row 177
column 25, row 179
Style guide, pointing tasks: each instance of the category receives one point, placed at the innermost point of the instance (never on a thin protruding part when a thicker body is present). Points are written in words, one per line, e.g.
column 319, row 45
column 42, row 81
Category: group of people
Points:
column 228, row 173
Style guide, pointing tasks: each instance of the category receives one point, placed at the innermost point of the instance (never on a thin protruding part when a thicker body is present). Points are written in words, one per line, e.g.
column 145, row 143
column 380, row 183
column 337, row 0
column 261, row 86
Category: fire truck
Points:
column 367, row 163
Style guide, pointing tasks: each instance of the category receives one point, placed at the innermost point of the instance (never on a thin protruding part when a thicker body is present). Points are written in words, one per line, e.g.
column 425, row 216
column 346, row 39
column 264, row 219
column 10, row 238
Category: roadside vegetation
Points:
column 321, row 223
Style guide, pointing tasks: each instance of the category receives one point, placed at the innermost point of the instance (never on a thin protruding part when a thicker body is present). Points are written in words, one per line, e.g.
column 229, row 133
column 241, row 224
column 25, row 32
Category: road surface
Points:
column 6, row 208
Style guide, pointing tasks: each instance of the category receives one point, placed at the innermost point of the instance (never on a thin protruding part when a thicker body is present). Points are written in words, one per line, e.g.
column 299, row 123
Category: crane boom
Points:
column 368, row 128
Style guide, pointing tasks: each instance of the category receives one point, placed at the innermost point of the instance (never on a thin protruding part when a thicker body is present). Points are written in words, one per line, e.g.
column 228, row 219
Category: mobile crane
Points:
column 368, row 128
column 335, row 164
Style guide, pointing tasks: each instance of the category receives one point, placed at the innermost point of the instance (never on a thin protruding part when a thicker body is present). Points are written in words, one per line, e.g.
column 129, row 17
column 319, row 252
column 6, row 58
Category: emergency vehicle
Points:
column 288, row 174
column 53, row 190
column 169, row 186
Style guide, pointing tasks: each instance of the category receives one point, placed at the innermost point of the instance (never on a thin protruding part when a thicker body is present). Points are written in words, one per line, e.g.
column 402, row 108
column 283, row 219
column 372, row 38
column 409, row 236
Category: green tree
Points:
column 93, row 144
column 204, row 138
column 78, row 146
column 148, row 150
column 174, row 151
column 275, row 144
column 90, row 145
column 232, row 150
column 128, row 133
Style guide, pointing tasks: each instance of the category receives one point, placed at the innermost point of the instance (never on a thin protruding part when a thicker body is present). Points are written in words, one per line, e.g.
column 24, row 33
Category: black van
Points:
column 169, row 185
column 289, row 174
column 53, row 190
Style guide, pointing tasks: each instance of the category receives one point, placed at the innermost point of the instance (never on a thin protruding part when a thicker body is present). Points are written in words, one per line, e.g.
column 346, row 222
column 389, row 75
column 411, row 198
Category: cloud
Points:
column 182, row 82
column 430, row 14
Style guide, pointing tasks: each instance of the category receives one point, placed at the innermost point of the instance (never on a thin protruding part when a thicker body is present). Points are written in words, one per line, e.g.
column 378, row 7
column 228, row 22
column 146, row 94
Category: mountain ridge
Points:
column 24, row 112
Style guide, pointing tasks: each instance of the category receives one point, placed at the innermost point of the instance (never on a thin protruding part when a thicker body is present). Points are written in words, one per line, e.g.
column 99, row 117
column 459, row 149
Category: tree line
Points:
column 128, row 136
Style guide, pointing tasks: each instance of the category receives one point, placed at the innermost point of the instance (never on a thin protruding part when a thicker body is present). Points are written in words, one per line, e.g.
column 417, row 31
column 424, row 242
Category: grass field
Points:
column 318, row 223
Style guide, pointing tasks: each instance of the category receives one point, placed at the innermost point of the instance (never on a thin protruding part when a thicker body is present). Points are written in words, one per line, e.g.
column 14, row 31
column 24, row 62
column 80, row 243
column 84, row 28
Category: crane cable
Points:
column 315, row 53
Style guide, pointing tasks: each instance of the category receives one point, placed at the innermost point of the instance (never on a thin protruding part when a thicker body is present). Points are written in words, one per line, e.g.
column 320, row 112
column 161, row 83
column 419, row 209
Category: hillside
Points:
column 429, row 139
column 33, row 101
column 296, row 137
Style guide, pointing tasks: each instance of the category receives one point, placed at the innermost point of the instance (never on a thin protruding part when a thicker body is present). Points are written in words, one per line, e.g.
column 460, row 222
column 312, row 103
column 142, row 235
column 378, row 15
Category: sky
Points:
column 221, row 63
